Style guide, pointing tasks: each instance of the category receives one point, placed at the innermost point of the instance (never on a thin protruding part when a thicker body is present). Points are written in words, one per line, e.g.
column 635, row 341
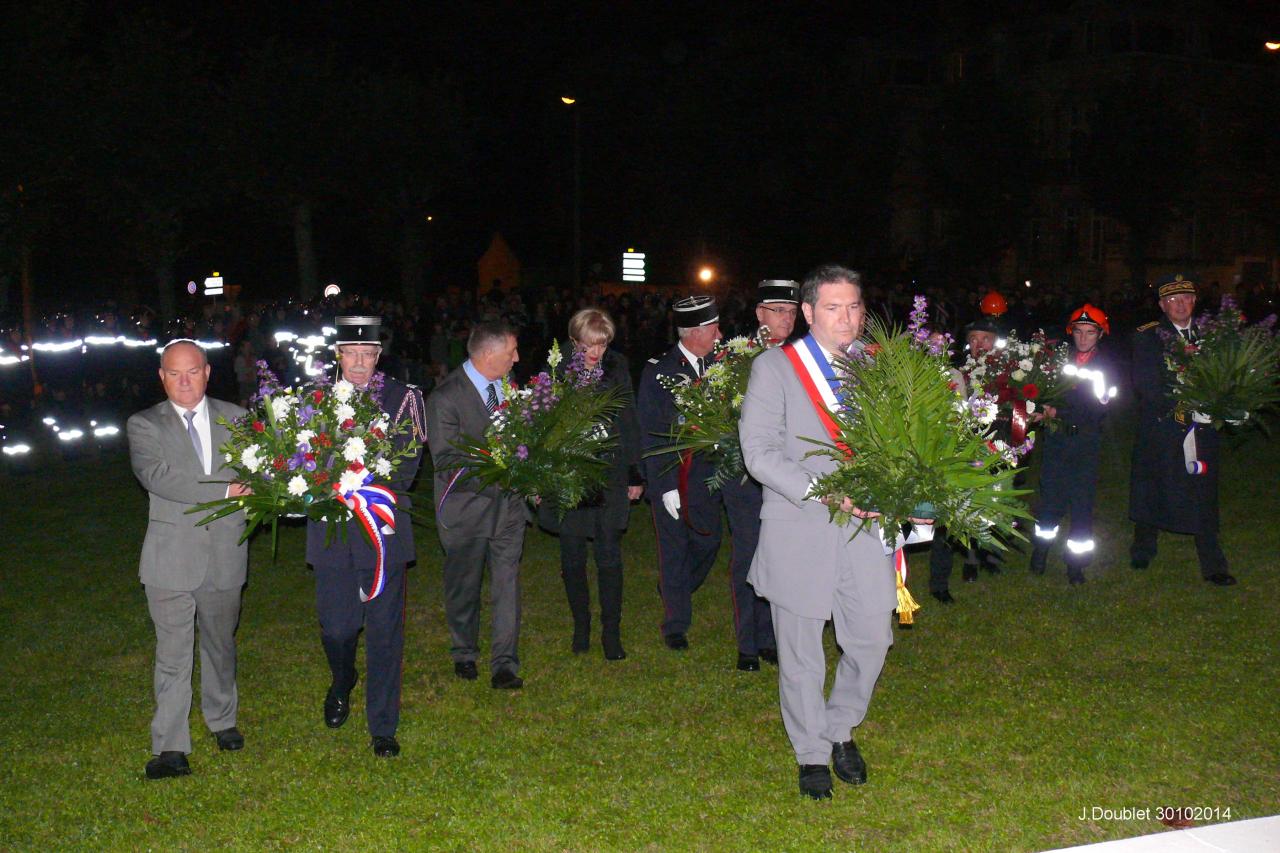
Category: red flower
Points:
column 872, row 350
column 355, row 466
column 377, row 433
column 278, row 463
column 348, row 423
column 322, row 440
column 310, row 457
column 1030, row 391
column 259, row 426
column 1003, row 395
column 320, row 477
column 317, row 395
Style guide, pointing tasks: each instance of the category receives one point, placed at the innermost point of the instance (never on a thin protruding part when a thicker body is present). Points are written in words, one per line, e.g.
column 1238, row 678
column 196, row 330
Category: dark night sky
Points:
column 708, row 130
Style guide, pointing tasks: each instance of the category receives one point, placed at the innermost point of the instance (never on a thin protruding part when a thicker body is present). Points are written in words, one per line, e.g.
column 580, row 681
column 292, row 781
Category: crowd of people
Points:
column 792, row 570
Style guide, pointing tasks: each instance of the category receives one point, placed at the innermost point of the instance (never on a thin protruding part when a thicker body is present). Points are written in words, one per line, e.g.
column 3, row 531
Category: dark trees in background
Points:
column 1139, row 164
column 981, row 163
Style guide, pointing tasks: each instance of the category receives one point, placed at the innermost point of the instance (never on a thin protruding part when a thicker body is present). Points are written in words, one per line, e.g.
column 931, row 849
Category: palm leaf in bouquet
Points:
column 910, row 446
column 549, row 440
column 1232, row 374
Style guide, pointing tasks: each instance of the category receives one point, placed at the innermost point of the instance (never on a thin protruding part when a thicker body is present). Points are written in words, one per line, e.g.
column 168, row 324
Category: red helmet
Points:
column 993, row 304
column 1091, row 315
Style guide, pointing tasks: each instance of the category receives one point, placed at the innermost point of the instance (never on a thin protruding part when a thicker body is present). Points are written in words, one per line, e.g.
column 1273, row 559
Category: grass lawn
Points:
column 998, row 720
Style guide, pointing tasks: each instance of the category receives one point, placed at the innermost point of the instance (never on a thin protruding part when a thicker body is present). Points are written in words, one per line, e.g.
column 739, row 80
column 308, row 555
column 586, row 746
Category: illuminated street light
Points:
column 568, row 101
column 1273, row 45
column 706, row 274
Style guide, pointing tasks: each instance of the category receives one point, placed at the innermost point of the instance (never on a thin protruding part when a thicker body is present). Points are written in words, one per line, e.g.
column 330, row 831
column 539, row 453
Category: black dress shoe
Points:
column 769, row 656
column 1139, row 564
column 167, row 765
column 943, row 595
column 676, row 642
column 337, row 705
column 229, row 739
column 466, row 670
column 505, row 679
column 815, row 781
column 1075, row 578
column 581, row 637
column 848, row 762
column 969, row 573
column 385, row 747
column 1221, row 579
column 749, row 663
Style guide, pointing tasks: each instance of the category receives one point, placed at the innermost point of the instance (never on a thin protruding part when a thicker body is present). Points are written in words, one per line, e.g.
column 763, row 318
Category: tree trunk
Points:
column 304, row 244
column 413, row 261
column 163, row 272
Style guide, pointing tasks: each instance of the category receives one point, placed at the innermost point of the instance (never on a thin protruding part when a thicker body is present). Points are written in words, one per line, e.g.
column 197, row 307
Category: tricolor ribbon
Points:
column 682, row 488
column 1194, row 465
column 1018, row 423
column 375, row 507
column 820, row 393
column 906, row 604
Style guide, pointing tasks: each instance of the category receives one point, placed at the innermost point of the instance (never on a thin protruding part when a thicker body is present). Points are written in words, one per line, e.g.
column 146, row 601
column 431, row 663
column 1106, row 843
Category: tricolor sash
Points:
column 818, row 379
column 375, row 507
column 1195, row 467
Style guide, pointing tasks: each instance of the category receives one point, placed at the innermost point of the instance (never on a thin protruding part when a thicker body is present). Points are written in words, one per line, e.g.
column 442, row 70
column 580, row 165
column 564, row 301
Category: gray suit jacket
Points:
column 795, row 565
column 455, row 409
column 177, row 554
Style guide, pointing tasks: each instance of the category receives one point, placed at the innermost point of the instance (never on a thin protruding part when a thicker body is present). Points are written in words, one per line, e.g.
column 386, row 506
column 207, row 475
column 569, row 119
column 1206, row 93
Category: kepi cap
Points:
column 358, row 330
column 1173, row 284
column 694, row 311
column 777, row 290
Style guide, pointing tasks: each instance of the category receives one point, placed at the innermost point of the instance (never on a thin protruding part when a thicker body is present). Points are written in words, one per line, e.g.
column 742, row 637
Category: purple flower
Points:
column 308, row 465
column 522, row 453
column 305, row 413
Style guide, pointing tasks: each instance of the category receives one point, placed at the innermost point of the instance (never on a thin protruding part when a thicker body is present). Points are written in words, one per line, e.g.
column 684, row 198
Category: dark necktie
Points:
column 702, row 365
column 190, row 415
column 491, row 398
column 1190, row 334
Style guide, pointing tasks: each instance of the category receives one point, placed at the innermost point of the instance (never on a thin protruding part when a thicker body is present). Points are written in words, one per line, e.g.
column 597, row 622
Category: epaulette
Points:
column 411, row 386
column 1150, row 325
column 653, row 360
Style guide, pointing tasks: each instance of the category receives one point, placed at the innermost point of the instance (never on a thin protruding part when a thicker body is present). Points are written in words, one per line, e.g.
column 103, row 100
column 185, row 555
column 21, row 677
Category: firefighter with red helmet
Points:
column 1069, row 465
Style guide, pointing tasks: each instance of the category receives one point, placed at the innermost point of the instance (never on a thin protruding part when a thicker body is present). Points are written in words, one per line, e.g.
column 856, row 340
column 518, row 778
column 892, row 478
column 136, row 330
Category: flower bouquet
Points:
column 312, row 452
column 1021, row 376
column 549, row 440
column 910, row 446
column 1232, row 373
column 710, row 407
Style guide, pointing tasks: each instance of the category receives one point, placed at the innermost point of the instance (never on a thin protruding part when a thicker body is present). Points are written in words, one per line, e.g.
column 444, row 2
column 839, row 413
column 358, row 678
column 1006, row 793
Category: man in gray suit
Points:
column 191, row 573
column 805, row 565
column 477, row 523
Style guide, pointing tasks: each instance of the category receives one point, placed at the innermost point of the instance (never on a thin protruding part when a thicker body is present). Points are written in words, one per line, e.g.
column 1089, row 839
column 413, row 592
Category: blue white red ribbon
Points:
column 375, row 507
column 1189, row 455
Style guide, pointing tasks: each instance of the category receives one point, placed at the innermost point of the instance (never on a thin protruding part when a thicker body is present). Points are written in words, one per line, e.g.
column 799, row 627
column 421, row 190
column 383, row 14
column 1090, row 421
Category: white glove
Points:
column 671, row 500
column 1201, row 418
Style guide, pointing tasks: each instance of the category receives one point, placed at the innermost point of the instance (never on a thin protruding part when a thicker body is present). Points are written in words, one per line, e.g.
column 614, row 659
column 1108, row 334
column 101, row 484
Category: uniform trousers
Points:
column 1208, row 551
column 752, row 622
column 685, row 558
column 342, row 615
column 864, row 635
column 175, row 615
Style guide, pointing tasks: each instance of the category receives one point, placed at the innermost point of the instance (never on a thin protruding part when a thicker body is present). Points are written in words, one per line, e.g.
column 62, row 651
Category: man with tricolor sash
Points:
column 1174, row 476
column 356, row 586
column 809, row 568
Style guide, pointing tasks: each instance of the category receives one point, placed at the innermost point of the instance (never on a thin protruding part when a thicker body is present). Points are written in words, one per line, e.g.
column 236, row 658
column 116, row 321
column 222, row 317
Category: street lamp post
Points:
column 577, row 187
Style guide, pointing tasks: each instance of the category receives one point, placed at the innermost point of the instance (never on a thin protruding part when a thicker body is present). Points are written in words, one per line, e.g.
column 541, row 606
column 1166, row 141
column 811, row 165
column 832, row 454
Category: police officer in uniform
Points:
column 345, row 566
column 1162, row 494
column 1069, row 473
column 686, row 516
column 777, row 304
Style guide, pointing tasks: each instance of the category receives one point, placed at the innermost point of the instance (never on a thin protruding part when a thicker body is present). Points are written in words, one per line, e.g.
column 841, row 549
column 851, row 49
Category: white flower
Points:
column 297, row 486
column 1025, row 364
column 354, row 449
column 1031, row 406
column 1035, row 348
column 229, row 457
column 342, row 390
column 554, row 358
column 381, row 424
column 1018, row 375
column 1000, row 446
column 343, row 412
column 382, row 468
column 250, row 459
column 305, row 436
column 350, row 481
column 280, row 407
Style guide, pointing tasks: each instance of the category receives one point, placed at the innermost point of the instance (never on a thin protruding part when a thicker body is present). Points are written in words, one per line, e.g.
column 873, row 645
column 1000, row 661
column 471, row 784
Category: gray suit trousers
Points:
column 464, row 562
column 864, row 633
column 176, row 615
